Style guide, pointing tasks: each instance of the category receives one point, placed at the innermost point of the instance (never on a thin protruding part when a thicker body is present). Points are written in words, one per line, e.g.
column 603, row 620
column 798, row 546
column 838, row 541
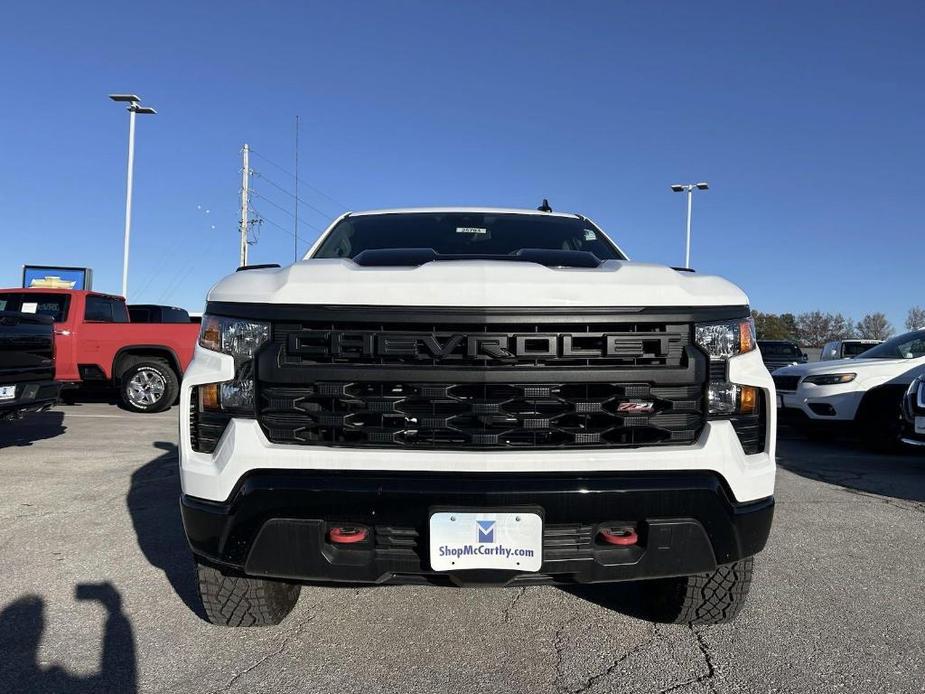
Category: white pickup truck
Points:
column 468, row 396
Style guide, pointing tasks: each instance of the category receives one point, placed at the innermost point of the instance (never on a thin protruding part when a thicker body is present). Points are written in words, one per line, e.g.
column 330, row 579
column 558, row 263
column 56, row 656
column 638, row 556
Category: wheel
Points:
column 149, row 385
column 879, row 419
column 242, row 601
column 711, row 598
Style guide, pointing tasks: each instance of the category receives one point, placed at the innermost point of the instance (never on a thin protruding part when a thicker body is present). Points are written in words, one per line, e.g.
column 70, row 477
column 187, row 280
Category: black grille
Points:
column 206, row 428
column 523, row 382
column 750, row 428
column 445, row 344
column 440, row 415
column 789, row 383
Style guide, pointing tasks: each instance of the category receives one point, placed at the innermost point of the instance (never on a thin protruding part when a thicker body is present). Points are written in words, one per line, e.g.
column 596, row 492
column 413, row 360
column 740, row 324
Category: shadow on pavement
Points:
column 153, row 502
column 22, row 623
column 31, row 428
column 624, row 597
column 897, row 475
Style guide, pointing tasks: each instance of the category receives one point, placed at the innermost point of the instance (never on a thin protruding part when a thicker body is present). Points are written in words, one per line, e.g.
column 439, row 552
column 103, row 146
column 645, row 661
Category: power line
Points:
column 281, row 227
column 284, row 210
column 296, row 197
column 301, row 181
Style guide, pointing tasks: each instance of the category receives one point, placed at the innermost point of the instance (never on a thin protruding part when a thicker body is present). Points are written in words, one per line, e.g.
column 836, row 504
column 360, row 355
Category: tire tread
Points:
column 243, row 601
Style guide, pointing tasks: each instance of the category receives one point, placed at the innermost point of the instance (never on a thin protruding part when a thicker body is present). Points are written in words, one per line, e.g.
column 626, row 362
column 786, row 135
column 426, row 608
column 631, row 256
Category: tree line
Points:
column 815, row 328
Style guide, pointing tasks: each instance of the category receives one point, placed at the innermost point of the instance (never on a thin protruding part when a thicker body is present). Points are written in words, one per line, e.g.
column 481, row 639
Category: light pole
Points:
column 689, row 187
column 133, row 108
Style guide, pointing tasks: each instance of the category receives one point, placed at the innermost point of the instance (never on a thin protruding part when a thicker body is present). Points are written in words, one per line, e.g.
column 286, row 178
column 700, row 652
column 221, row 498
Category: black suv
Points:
column 779, row 353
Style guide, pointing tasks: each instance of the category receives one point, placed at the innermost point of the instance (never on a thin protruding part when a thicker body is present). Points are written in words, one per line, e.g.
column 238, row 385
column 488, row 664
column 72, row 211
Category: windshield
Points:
column 853, row 349
column 908, row 346
column 465, row 233
column 780, row 349
column 54, row 305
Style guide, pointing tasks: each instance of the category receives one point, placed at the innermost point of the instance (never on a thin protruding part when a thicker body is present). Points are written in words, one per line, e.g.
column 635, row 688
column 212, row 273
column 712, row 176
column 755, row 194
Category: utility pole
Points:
column 295, row 234
column 245, row 202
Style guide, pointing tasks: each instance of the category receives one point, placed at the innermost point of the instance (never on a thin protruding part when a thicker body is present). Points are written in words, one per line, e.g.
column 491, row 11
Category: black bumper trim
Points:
column 275, row 524
column 31, row 396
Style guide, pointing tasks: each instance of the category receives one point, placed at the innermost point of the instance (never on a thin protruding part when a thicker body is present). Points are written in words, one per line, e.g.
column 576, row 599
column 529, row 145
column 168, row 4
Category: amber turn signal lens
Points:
column 746, row 336
column 748, row 400
column 208, row 397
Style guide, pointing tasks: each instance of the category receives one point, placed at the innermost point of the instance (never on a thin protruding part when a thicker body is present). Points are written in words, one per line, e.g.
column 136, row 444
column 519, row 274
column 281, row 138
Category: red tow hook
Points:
column 347, row 534
column 622, row 536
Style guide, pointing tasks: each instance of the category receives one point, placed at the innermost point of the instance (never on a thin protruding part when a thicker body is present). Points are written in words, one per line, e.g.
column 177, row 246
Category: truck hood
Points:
column 477, row 283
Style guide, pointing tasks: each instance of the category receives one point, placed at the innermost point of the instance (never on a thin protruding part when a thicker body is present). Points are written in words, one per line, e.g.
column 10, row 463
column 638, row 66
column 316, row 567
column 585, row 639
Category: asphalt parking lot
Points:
column 97, row 592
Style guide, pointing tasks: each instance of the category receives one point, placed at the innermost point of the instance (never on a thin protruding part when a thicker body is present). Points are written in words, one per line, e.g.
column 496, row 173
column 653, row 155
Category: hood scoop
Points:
column 415, row 257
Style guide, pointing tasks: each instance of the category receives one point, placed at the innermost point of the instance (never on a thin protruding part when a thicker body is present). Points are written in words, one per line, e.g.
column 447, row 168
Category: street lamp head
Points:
column 703, row 186
column 677, row 188
column 124, row 97
column 143, row 109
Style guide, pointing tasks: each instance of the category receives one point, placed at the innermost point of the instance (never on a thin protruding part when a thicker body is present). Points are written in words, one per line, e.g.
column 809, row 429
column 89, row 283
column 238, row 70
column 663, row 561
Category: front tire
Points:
column 711, row 598
column 879, row 419
column 242, row 601
column 148, row 385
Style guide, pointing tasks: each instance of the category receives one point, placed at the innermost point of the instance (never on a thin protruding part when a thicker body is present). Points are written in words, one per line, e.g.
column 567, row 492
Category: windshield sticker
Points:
column 590, row 235
column 29, row 307
column 471, row 230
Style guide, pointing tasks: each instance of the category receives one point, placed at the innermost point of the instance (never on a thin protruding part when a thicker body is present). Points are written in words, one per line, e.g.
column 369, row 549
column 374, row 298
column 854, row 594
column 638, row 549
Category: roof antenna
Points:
column 545, row 206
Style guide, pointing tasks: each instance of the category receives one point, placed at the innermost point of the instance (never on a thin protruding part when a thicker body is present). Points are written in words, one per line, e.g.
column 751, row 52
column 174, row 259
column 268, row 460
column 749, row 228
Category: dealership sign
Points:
column 55, row 277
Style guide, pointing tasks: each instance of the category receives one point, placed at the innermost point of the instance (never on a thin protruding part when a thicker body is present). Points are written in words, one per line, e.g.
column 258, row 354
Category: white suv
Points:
column 863, row 393
column 465, row 396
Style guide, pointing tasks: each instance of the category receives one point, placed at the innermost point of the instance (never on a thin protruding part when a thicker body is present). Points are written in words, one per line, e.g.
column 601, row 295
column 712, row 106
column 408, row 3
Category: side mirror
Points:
column 804, row 357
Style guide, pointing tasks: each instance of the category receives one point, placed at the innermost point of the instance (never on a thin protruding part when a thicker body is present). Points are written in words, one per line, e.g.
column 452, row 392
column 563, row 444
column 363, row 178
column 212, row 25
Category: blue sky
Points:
column 806, row 118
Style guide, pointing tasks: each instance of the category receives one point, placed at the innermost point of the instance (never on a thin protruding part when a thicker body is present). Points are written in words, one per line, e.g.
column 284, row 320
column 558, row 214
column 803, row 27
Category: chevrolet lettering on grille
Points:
column 460, row 346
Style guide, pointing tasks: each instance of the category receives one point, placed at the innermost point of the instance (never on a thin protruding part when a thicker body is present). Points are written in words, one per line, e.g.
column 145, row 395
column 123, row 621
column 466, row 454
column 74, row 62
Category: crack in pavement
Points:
column 708, row 676
column 297, row 631
column 560, row 649
column 594, row 679
column 507, row 610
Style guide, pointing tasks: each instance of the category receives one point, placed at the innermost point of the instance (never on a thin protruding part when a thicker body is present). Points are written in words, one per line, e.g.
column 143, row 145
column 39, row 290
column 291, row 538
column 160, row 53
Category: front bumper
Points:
column 30, row 397
column 836, row 403
column 275, row 524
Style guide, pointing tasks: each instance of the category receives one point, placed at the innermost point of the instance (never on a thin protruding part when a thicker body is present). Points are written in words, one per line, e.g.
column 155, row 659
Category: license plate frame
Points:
column 458, row 542
column 7, row 393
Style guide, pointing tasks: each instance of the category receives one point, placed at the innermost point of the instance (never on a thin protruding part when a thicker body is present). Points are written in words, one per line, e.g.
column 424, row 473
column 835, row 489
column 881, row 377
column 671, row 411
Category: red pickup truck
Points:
column 95, row 342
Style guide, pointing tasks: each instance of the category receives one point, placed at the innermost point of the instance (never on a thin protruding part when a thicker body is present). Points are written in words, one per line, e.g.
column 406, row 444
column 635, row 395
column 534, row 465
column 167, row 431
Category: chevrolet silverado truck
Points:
column 95, row 343
column 470, row 396
column 27, row 364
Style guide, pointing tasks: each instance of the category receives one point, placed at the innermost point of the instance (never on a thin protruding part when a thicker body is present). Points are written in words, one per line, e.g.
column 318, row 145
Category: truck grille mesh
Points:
column 486, row 383
column 479, row 415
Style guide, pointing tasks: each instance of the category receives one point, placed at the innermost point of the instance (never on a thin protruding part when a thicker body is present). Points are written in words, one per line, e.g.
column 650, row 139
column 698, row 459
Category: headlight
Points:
column 726, row 339
column 240, row 339
column 830, row 379
column 726, row 399
column 235, row 336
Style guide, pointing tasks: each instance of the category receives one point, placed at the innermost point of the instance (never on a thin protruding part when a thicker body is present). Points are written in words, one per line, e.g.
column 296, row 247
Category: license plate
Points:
column 465, row 540
column 780, row 400
column 920, row 425
column 7, row 392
